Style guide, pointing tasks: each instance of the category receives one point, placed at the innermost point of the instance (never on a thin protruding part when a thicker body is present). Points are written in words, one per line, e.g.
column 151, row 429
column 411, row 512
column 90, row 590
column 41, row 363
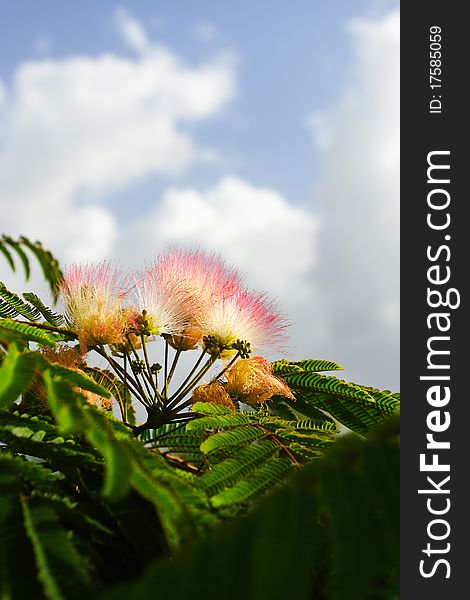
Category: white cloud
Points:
column 83, row 126
column 254, row 227
column 358, row 198
column 132, row 31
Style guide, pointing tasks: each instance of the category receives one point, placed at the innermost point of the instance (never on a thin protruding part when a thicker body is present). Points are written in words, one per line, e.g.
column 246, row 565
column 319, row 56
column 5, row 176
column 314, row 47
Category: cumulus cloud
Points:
column 358, row 198
column 256, row 228
column 81, row 127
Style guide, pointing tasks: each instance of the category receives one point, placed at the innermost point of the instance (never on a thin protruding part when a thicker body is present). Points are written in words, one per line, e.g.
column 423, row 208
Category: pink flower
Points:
column 201, row 278
column 195, row 280
column 248, row 317
column 161, row 304
column 93, row 294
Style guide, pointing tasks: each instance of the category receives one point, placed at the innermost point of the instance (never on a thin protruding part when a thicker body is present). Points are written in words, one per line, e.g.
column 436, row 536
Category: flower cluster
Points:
column 93, row 296
column 190, row 297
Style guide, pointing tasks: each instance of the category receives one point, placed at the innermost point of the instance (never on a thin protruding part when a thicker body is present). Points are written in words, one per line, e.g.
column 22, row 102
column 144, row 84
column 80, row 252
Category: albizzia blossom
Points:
column 251, row 381
column 201, row 279
column 93, row 295
column 160, row 304
column 248, row 317
column 213, row 392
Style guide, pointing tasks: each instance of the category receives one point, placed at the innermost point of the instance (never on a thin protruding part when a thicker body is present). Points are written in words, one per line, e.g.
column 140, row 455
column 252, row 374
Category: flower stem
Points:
column 173, row 367
column 165, row 371
column 147, row 364
column 147, row 376
column 124, row 376
column 191, row 384
column 190, row 374
column 227, row 367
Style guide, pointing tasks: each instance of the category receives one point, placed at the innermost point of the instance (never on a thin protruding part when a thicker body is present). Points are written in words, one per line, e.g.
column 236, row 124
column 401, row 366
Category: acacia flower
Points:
column 244, row 316
column 93, row 294
column 213, row 392
column 160, row 304
column 202, row 280
column 251, row 381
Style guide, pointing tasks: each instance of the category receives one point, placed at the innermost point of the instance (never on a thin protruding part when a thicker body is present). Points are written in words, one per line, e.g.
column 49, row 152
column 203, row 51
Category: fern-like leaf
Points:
column 73, row 414
column 108, row 380
column 16, row 375
column 209, row 408
column 356, row 406
column 8, row 242
column 17, row 566
column 219, row 421
column 49, row 265
column 311, row 365
column 262, row 480
column 18, row 305
column 77, row 378
column 19, row 332
column 231, row 470
column 50, row 316
column 238, row 436
column 60, row 567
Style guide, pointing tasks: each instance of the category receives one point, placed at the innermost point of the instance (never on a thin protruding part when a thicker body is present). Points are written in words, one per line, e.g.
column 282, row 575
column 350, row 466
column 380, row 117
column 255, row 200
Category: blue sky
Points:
column 235, row 126
column 293, row 59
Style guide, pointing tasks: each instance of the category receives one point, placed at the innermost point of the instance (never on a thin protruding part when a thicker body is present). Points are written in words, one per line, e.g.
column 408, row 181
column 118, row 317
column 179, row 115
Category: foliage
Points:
column 257, row 500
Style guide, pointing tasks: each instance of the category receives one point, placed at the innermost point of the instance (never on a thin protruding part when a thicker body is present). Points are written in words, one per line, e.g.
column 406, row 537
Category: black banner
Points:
column 435, row 530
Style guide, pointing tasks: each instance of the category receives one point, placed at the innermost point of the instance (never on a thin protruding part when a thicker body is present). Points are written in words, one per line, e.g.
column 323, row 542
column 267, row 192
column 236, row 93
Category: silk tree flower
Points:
column 93, row 295
column 213, row 392
column 161, row 307
column 247, row 317
column 251, row 381
column 202, row 280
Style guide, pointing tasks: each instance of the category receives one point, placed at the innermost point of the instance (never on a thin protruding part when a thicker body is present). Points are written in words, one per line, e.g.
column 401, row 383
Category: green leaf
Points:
column 16, row 303
column 18, row 577
column 231, row 470
column 60, row 567
column 51, row 317
column 311, row 365
column 308, row 539
column 66, row 404
column 238, row 436
column 118, row 458
column 170, row 509
column 358, row 407
column 16, row 374
column 108, row 380
column 73, row 414
column 262, row 480
column 7, row 255
column 76, row 378
column 29, row 332
column 218, row 421
column 209, row 408
column 19, row 251
column 49, row 265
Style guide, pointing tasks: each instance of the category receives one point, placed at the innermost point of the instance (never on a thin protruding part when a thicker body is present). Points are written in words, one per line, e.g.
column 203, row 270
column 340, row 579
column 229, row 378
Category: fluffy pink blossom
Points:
column 197, row 280
column 93, row 294
column 246, row 316
column 160, row 301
